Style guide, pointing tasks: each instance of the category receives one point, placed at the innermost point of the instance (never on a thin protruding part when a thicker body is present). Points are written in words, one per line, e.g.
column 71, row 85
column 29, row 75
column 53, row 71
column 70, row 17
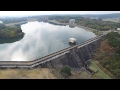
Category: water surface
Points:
column 40, row 40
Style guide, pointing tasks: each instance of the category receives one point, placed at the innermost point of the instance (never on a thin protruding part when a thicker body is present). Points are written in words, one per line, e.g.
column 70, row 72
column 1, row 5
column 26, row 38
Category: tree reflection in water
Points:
column 10, row 40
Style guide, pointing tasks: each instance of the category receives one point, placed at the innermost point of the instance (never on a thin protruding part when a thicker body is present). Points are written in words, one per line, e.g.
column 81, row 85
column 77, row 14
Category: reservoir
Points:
column 41, row 39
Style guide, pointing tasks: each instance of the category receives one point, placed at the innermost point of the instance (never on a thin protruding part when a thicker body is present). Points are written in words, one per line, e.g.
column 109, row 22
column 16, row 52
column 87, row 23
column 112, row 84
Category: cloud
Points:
column 40, row 40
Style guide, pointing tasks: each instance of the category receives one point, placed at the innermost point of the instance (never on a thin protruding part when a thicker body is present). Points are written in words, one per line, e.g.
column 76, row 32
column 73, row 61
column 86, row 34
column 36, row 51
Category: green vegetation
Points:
column 104, row 16
column 87, row 22
column 119, row 32
column 98, row 24
column 2, row 26
column 85, row 75
column 65, row 71
column 13, row 20
column 10, row 31
column 37, row 73
column 99, row 73
column 109, row 54
column 10, row 40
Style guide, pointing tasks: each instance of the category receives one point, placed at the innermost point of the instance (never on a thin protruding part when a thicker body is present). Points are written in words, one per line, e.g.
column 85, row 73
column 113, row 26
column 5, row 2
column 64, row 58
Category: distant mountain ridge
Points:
column 102, row 16
column 112, row 15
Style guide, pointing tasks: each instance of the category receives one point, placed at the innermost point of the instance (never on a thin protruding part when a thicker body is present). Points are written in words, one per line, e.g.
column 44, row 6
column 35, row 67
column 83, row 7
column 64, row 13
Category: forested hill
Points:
column 103, row 16
column 10, row 31
column 13, row 20
column 109, row 53
column 87, row 22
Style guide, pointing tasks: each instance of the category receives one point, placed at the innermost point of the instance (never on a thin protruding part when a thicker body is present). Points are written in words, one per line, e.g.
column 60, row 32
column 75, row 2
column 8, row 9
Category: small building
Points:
column 45, row 19
column 118, row 29
column 72, row 21
column 72, row 40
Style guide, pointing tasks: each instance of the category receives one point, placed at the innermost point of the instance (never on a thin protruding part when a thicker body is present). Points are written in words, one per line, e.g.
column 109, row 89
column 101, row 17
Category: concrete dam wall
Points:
column 76, row 58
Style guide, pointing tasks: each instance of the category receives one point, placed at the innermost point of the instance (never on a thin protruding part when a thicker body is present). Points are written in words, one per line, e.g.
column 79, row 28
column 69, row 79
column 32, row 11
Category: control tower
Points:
column 72, row 22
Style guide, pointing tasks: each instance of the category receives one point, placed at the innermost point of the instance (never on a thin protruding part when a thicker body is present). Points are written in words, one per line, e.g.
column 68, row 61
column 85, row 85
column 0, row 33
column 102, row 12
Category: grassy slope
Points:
column 46, row 73
column 119, row 32
column 99, row 57
column 99, row 74
column 39, row 73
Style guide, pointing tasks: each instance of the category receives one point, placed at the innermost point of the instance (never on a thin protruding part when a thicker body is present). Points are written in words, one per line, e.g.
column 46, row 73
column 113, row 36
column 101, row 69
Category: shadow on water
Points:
column 71, row 26
column 10, row 40
column 72, row 44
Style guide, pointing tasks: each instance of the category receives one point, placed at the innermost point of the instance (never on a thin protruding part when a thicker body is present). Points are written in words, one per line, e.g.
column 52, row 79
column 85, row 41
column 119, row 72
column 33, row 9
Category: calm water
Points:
column 41, row 39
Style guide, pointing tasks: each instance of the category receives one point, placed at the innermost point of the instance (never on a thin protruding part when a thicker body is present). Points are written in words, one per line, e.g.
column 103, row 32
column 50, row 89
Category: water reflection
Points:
column 10, row 40
column 56, row 24
column 71, row 26
column 72, row 44
column 41, row 39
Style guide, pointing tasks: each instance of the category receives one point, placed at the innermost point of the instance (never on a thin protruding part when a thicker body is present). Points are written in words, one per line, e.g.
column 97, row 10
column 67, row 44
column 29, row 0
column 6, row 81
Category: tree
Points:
column 12, row 34
column 2, row 26
column 66, row 71
column 10, row 31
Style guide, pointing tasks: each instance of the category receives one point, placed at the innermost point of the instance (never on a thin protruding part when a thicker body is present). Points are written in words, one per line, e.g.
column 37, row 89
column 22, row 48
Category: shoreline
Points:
column 76, row 25
column 86, row 28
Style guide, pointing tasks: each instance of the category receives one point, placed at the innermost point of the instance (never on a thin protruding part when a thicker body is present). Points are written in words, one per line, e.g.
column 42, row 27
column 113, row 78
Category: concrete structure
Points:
column 72, row 40
column 72, row 22
column 45, row 19
column 74, row 56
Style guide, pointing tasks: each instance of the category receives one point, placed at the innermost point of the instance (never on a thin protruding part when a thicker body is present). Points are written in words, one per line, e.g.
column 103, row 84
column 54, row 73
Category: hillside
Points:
column 10, row 31
column 108, row 55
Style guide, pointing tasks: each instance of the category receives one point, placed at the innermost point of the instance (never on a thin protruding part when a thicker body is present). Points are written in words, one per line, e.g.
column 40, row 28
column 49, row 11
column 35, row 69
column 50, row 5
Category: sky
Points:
column 26, row 13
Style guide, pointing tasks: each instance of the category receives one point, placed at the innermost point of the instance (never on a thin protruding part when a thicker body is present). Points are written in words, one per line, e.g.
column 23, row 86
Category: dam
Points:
column 75, row 57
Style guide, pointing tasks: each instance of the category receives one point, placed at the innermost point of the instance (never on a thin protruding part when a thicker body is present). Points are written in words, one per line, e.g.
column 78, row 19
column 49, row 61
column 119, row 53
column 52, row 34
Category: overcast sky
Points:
column 19, row 13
